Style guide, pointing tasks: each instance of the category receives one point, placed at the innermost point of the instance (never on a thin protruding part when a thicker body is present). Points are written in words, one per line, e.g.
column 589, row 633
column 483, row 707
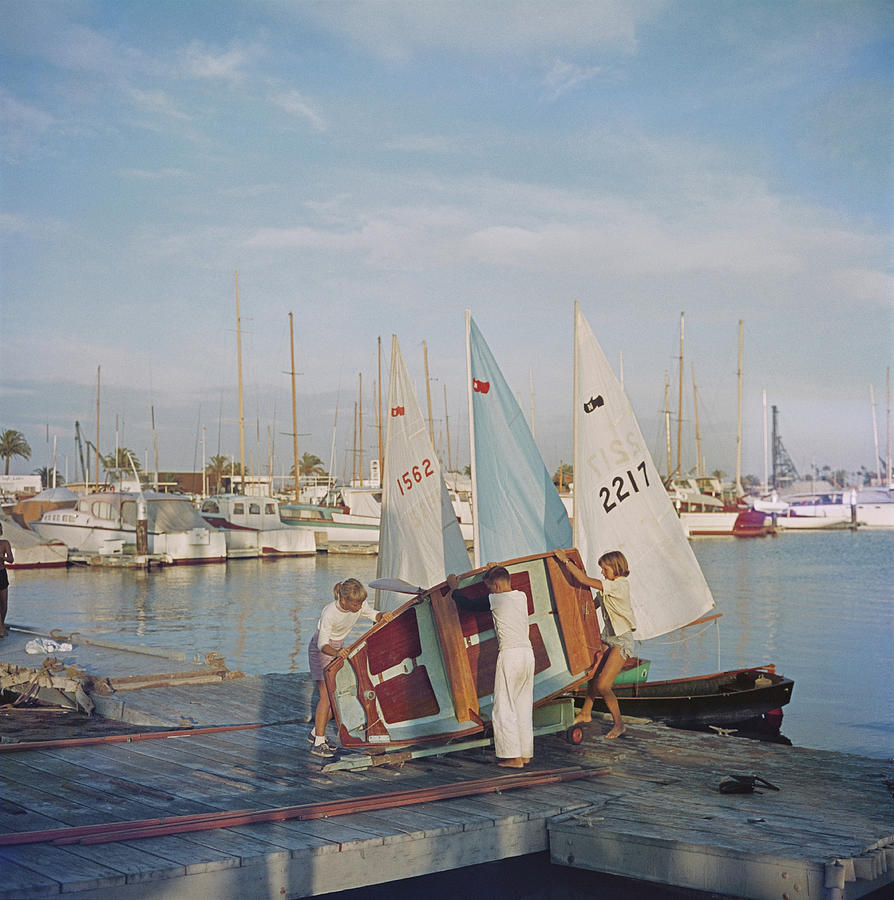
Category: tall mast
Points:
column 680, row 407
column 447, row 429
column 294, row 410
column 698, row 438
column 739, row 420
column 888, row 458
column 766, row 474
column 96, row 465
column 878, row 460
column 667, row 423
column 354, row 450
column 575, row 462
column 241, row 408
column 360, row 431
column 476, row 543
column 431, row 430
column 379, row 416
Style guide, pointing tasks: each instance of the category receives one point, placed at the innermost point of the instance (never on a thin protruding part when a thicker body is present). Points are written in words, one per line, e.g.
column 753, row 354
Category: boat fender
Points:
column 743, row 784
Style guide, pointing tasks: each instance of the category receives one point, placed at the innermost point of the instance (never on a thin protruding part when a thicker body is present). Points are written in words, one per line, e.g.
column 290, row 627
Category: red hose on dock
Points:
column 121, row 831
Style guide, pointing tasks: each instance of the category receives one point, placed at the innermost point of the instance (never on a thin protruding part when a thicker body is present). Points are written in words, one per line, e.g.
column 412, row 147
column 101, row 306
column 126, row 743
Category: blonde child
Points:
column 617, row 633
column 336, row 622
column 513, row 710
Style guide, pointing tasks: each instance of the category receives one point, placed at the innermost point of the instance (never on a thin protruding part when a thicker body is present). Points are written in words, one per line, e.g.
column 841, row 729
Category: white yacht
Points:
column 252, row 527
column 106, row 523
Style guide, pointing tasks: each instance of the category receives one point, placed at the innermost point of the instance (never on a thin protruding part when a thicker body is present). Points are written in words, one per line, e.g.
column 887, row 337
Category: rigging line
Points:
column 685, row 637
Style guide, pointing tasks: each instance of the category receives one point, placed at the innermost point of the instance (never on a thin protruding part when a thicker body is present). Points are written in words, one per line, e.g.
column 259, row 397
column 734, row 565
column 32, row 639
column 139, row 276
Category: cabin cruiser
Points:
column 105, row 523
column 348, row 520
column 29, row 551
column 706, row 507
column 252, row 527
column 865, row 507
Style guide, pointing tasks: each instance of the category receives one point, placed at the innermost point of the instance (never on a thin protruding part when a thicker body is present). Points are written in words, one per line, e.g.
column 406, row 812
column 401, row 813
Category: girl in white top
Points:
column 513, row 711
column 618, row 632
column 335, row 624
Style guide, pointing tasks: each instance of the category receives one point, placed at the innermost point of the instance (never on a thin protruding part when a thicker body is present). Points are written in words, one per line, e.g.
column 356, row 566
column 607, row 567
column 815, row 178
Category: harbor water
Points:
column 820, row 606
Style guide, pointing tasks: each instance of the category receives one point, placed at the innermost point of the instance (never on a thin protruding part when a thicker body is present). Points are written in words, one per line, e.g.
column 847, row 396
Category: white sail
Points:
column 419, row 536
column 620, row 502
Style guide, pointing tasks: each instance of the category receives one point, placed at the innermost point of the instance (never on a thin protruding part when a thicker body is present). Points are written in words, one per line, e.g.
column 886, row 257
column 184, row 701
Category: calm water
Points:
column 819, row 606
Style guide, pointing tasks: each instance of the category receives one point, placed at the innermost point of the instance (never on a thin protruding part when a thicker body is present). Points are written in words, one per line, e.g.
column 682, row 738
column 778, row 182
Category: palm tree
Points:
column 46, row 476
column 122, row 458
column 309, row 464
column 13, row 443
column 216, row 468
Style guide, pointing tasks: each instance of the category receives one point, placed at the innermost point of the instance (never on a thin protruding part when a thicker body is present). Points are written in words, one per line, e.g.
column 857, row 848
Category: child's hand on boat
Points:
column 452, row 581
column 385, row 616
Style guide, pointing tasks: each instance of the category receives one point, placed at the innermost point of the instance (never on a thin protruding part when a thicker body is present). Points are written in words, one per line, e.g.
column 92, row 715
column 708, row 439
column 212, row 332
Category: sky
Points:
column 377, row 168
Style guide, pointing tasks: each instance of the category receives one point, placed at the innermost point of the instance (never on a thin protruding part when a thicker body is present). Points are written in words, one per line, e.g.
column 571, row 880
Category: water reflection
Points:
column 784, row 600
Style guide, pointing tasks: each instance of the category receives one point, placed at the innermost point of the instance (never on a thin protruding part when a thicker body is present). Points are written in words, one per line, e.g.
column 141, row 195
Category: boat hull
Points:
column 104, row 523
column 721, row 698
column 428, row 674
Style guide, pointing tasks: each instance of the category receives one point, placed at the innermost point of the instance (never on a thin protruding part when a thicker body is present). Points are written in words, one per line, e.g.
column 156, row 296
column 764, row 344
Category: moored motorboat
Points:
column 721, row 698
column 252, row 527
column 864, row 507
column 105, row 523
column 29, row 550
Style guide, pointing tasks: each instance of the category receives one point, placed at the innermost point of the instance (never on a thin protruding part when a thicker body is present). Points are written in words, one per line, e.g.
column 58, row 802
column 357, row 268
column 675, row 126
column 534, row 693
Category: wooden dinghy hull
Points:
column 428, row 674
column 721, row 698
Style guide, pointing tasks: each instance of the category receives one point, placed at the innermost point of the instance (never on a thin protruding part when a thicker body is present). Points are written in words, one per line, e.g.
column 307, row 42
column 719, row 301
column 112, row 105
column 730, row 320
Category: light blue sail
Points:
column 517, row 507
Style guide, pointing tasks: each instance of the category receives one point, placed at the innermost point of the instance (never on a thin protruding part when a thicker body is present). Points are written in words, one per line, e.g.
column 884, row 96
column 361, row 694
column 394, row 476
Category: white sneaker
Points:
column 322, row 750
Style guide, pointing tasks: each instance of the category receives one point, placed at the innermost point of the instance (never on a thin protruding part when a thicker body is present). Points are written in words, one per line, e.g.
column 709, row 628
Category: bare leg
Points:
column 585, row 714
column 323, row 713
column 613, row 666
column 3, row 605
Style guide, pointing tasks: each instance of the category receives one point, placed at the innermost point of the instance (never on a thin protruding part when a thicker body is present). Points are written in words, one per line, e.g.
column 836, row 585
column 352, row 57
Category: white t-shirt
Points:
column 335, row 623
column 616, row 602
column 510, row 612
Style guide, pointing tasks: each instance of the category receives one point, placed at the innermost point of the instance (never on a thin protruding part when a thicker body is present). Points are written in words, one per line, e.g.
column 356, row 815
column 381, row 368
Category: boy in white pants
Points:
column 513, row 711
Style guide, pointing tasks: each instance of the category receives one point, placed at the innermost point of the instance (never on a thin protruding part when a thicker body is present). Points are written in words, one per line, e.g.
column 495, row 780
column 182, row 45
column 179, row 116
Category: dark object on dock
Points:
column 720, row 698
column 743, row 784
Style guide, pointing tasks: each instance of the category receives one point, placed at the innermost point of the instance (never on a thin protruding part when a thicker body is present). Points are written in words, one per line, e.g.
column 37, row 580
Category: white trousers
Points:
column 513, row 713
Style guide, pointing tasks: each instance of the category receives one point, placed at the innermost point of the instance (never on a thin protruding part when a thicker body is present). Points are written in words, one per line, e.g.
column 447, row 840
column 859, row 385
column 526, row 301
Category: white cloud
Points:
column 157, row 102
column 201, row 62
column 295, row 104
column 400, row 28
column 154, row 174
column 22, row 124
column 564, row 77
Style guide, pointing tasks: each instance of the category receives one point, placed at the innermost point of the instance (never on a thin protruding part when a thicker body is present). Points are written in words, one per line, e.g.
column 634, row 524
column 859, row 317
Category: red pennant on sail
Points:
column 481, row 387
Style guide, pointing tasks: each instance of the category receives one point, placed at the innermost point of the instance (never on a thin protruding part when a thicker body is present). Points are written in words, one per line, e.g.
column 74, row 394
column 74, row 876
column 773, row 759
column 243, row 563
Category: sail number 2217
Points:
column 415, row 475
column 622, row 487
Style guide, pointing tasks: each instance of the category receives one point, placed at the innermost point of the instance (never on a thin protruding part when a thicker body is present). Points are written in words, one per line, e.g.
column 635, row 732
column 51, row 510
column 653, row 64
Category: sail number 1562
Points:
column 622, row 486
column 415, row 475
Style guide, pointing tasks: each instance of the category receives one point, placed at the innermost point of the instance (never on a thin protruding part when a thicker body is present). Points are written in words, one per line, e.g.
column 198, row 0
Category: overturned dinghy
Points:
column 428, row 674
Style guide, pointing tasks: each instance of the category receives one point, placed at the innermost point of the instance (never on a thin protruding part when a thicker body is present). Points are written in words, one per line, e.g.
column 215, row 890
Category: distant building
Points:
column 20, row 485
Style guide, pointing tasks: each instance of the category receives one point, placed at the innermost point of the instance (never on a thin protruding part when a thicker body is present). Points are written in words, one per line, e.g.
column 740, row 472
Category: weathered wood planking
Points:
column 659, row 811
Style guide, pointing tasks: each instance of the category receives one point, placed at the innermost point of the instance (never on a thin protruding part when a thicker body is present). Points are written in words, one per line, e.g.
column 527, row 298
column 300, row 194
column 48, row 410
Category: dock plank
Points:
column 660, row 803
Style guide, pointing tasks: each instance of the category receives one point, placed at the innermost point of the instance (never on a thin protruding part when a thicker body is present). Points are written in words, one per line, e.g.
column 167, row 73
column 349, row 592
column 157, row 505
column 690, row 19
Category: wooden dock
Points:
column 656, row 815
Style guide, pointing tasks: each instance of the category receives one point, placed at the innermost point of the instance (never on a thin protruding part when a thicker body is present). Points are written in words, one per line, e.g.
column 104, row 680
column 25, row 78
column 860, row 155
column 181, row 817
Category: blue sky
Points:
column 377, row 168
